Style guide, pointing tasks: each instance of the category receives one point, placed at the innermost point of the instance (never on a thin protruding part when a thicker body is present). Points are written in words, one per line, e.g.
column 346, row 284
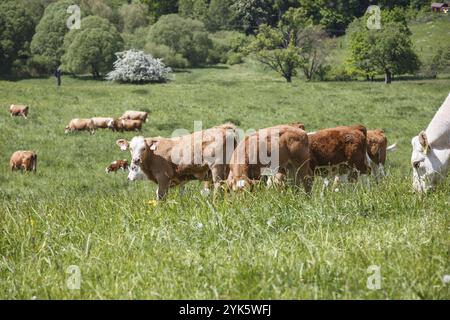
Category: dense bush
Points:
column 133, row 16
column 225, row 45
column 92, row 48
column 183, row 36
column 170, row 57
column 137, row 67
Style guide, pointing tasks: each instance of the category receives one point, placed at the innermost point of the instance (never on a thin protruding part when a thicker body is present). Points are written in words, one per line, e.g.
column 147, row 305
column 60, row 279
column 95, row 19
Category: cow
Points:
column 19, row 110
column 135, row 115
column 203, row 155
column 377, row 148
column 340, row 152
column 102, row 123
column 24, row 161
column 117, row 165
column 274, row 151
column 81, row 125
column 125, row 125
column 430, row 157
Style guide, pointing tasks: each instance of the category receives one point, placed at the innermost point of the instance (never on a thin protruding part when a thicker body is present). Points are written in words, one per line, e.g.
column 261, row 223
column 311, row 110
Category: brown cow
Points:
column 102, row 123
column 377, row 148
column 81, row 125
column 202, row 155
column 340, row 152
column 23, row 160
column 126, row 125
column 259, row 153
column 117, row 165
column 135, row 115
column 19, row 110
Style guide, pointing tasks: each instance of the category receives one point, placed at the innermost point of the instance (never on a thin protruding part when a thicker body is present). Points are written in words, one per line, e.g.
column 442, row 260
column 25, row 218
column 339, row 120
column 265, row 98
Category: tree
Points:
column 16, row 31
column 314, row 50
column 91, row 48
column 280, row 47
column 97, row 8
column 47, row 43
column 220, row 15
column 137, row 67
column 133, row 16
column 158, row 8
column 184, row 36
column 250, row 14
column 194, row 9
column 388, row 50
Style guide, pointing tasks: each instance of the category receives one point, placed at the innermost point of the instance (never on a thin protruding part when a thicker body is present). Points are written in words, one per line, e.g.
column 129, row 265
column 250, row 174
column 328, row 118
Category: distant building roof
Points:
column 439, row 5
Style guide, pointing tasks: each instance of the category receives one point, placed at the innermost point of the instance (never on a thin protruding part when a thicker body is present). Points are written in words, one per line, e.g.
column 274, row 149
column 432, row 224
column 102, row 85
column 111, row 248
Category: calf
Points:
column 135, row 115
column 81, row 125
column 288, row 149
column 430, row 157
column 202, row 155
column 117, row 165
column 18, row 111
column 340, row 152
column 125, row 125
column 102, row 123
column 23, row 160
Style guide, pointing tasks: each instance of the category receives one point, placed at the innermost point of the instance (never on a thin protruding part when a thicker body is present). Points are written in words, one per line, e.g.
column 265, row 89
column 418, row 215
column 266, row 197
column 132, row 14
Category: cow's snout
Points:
column 137, row 161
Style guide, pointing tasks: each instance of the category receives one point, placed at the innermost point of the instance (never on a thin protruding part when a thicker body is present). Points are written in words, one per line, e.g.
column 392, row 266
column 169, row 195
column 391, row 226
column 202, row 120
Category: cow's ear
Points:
column 123, row 144
column 153, row 146
column 423, row 140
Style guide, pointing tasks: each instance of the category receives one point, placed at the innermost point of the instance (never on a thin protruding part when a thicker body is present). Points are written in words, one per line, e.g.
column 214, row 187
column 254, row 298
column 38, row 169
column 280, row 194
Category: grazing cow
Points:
column 202, row 155
column 135, row 115
column 19, row 110
column 431, row 151
column 81, row 125
column 117, row 165
column 102, row 123
column 125, row 125
column 276, row 150
column 377, row 148
column 23, row 160
column 340, row 152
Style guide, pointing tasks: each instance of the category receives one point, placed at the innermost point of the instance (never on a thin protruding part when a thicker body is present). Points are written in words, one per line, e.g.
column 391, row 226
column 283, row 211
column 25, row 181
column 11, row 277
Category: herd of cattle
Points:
column 222, row 156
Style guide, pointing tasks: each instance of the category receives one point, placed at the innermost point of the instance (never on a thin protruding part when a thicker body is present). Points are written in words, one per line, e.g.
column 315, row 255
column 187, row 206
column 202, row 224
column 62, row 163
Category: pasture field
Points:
column 268, row 244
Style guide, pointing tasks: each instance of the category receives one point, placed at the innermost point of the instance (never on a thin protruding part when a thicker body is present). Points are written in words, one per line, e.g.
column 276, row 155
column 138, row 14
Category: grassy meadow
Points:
column 269, row 244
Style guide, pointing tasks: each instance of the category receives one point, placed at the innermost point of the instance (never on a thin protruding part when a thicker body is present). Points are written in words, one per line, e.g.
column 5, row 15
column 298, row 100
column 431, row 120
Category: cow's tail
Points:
column 35, row 163
column 392, row 148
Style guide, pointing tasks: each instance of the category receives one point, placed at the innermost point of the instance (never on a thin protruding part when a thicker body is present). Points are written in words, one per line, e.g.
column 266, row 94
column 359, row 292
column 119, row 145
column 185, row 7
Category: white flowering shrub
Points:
column 137, row 67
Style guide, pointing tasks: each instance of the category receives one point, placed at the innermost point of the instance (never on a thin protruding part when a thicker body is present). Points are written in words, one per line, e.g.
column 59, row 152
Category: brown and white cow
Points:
column 102, row 122
column 125, row 125
column 19, row 110
column 117, row 165
column 339, row 152
column 135, row 115
column 272, row 151
column 377, row 149
column 23, row 160
column 202, row 155
column 80, row 125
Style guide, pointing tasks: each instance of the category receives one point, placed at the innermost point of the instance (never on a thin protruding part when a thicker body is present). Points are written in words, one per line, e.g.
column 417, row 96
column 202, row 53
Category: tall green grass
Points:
column 269, row 244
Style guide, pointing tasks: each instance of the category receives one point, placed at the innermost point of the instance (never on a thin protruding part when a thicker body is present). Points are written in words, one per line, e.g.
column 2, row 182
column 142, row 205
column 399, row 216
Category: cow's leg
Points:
column 206, row 188
column 217, row 173
column 163, row 187
column 304, row 176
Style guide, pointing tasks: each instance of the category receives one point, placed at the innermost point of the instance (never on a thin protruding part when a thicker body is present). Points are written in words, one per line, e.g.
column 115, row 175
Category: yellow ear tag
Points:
column 426, row 149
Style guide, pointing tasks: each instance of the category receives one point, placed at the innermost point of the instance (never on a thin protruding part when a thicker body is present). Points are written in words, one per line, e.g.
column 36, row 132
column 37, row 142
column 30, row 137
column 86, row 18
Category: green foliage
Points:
column 36, row 8
column 387, row 51
column 49, row 37
column 169, row 56
column 133, row 16
column 16, row 32
column 225, row 44
column 194, row 9
column 184, row 36
column 97, row 8
column 220, row 15
column 439, row 63
column 158, row 8
column 92, row 48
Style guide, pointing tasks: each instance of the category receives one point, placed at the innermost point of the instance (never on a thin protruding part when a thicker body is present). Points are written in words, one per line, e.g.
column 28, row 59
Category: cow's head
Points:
column 140, row 149
column 425, row 164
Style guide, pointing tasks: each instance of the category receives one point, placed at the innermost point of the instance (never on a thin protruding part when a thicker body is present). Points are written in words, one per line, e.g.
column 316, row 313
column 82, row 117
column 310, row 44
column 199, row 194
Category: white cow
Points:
column 431, row 151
